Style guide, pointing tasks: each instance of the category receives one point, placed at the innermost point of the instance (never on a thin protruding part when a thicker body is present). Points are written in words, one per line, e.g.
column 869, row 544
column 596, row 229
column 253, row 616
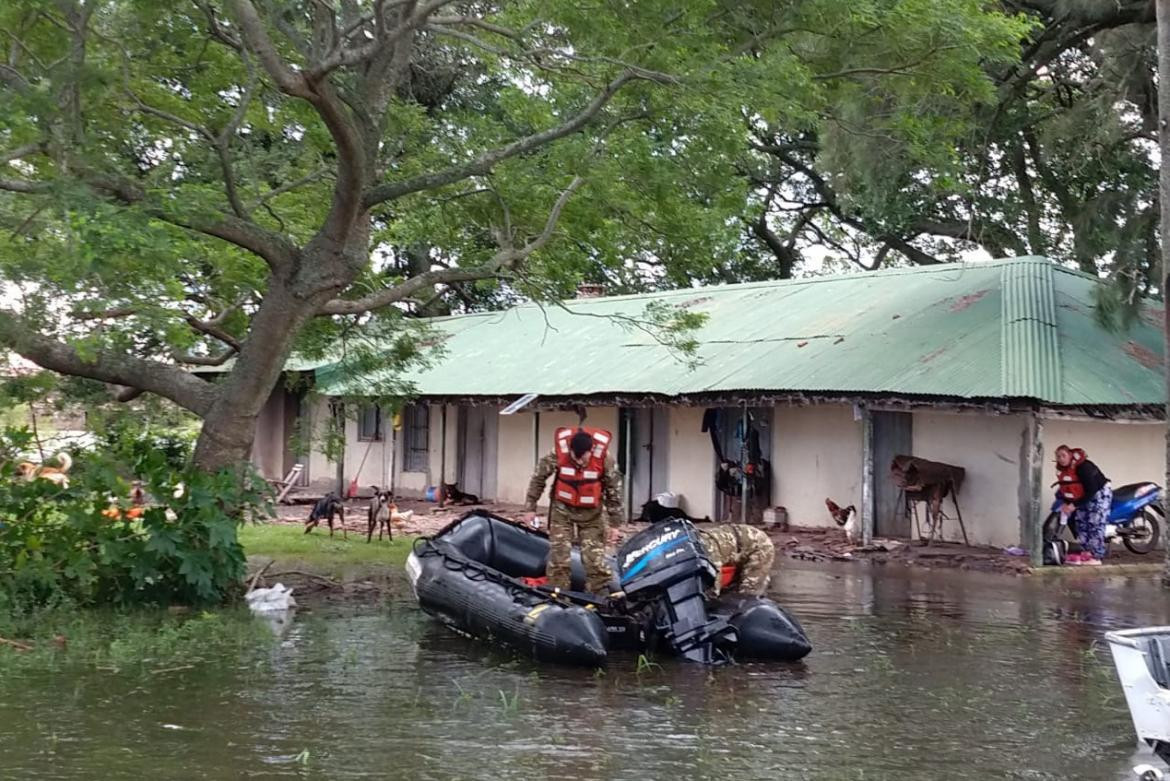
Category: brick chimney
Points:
column 590, row 290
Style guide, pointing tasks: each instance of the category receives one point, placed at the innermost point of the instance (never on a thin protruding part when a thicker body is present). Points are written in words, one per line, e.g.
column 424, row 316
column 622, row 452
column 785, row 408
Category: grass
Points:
column 135, row 641
column 318, row 553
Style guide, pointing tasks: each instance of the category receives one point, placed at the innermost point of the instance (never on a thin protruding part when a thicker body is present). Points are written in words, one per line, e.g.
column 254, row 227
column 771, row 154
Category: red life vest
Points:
column 1071, row 489
column 580, row 486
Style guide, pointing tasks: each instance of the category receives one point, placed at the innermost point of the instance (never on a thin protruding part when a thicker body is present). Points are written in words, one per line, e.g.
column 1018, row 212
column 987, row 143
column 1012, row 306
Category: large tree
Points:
column 194, row 183
column 1057, row 161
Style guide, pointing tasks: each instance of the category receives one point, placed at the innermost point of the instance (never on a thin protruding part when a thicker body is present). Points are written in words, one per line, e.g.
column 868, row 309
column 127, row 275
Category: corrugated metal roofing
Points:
column 1016, row 328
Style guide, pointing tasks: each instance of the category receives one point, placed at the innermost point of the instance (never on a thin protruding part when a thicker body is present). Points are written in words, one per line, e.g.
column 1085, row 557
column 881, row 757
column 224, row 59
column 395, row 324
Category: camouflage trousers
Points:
column 567, row 525
column 755, row 564
column 746, row 547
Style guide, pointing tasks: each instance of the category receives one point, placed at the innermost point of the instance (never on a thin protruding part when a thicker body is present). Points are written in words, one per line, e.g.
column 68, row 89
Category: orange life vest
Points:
column 1071, row 489
column 580, row 486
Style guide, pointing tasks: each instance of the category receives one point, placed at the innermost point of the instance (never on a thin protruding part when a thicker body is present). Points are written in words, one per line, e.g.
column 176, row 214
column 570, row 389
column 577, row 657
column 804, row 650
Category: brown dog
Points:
column 59, row 475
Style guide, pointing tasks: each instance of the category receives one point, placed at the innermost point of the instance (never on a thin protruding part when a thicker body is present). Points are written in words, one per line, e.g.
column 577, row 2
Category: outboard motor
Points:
column 665, row 569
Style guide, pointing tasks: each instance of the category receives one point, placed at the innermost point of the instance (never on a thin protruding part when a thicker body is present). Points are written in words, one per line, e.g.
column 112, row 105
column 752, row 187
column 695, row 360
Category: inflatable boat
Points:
column 484, row 576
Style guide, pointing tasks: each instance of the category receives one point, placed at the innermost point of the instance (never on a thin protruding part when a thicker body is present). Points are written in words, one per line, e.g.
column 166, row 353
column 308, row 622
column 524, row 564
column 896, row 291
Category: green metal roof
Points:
column 1015, row 328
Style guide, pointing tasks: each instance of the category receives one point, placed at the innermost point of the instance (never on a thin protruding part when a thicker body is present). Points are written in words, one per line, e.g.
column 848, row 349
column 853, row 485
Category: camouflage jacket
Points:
column 611, row 491
column 721, row 543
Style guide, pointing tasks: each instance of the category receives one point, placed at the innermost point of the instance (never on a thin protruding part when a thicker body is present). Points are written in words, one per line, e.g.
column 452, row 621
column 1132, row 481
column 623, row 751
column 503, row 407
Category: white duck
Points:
column 277, row 599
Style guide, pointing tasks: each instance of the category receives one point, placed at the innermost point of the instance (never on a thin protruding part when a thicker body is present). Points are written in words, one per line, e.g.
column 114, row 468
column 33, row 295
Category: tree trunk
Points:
column 230, row 425
column 1163, row 16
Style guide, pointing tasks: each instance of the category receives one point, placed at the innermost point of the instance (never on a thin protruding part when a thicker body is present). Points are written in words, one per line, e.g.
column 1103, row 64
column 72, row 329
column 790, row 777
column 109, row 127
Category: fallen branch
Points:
column 258, row 575
column 309, row 575
column 15, row 644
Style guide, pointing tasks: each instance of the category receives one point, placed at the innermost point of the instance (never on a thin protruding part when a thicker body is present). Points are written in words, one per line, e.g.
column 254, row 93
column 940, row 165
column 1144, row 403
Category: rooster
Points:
column 846, row 517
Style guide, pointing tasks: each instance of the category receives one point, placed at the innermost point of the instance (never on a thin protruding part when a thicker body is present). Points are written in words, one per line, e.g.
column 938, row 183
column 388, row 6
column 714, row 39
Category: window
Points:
column 369, row 423
column 415, row 438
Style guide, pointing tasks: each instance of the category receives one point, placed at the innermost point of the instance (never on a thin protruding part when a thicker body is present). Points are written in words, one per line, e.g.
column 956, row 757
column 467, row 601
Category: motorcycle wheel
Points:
column 1147, row 529
column 1052, row 530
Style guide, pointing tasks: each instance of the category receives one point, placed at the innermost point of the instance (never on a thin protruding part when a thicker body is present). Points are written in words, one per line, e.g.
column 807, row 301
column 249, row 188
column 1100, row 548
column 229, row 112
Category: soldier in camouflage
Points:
column 748, row 548
column 587, row 489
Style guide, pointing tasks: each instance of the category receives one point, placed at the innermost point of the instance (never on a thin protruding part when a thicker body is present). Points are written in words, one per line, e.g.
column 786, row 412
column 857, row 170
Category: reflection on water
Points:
column 914, row 675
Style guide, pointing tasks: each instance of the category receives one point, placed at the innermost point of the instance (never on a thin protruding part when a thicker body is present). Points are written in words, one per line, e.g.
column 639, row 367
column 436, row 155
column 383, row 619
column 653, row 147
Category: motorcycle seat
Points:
column 1126, row 493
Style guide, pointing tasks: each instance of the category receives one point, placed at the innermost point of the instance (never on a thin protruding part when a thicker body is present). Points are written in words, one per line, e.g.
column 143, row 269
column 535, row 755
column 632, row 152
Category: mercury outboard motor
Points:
column 665, row 569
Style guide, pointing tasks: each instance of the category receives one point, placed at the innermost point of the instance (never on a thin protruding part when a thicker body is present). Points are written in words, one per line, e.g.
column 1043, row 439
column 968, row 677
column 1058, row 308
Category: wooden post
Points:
column 1031, row 490
column 535, row 439
column 867, row 488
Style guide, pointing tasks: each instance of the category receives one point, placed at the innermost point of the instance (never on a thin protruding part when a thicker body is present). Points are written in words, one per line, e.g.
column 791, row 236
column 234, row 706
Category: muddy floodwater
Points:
column 914, row 675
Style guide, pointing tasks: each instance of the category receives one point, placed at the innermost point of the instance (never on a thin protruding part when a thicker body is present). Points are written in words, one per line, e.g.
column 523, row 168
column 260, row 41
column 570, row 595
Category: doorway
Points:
column 893, row 435
column 642, row 454
column 478, row 440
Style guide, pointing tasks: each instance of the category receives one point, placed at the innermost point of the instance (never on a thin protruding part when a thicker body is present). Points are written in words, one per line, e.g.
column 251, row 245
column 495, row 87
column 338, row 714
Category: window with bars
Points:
column 415, row 438
column 369, row 423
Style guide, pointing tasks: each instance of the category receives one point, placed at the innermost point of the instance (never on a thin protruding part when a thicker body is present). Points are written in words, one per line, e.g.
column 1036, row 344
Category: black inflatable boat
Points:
column 482, row 576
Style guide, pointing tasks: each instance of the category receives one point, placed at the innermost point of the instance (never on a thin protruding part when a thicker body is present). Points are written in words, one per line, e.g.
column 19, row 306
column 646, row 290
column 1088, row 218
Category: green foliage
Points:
column 62, row 543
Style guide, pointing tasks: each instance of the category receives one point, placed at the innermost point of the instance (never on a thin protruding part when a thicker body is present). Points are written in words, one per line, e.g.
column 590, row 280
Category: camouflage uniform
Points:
column 747, row 547
column 584, row 523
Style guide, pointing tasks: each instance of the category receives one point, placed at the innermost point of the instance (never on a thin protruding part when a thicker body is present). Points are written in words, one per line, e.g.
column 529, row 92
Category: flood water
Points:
column 914, row 675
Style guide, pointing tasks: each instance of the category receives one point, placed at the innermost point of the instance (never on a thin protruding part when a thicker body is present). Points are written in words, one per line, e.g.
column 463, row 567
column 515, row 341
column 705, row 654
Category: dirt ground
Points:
column 805, row 543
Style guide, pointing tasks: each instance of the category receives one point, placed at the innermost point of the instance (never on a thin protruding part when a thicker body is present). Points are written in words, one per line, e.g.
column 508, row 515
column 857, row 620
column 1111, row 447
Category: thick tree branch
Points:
column 486, row 161
column 351, row 170
column 999, row 241
column 256, row 38
column 20, row 151
column 206, row 360
column 117, row 369
column 271, row 246
column 507, row 257
column 212, row 328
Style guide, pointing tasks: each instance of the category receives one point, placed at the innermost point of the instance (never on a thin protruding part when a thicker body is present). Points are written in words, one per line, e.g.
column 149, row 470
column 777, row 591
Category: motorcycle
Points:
column 1134, row 518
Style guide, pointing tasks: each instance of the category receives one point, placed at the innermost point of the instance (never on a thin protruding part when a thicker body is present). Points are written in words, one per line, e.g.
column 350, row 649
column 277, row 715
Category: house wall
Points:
column 988, row 448
column 322, row 472
column 515, row 457
column 1125, row 452
column 368, row 461
column 816, row 454
column 268, row 443
column 691, row 461
column 441, row 461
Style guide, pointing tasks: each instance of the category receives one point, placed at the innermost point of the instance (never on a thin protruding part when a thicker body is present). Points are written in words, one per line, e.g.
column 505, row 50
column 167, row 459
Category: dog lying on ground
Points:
column 452, row 495
column 59, row 475
column 379, row 514
column 653, row 512
column 326, row 508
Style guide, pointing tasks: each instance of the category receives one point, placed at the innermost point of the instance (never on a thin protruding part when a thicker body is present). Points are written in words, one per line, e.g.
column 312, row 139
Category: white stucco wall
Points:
column 691, row 461
column 816, row 453
column 268, row 443
column 1125, row 452
column 515, row 457
column 988, row 447
column 322, row 471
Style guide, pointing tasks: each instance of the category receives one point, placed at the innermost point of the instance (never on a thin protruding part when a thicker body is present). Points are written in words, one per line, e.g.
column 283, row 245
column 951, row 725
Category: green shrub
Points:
column 62, row 545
